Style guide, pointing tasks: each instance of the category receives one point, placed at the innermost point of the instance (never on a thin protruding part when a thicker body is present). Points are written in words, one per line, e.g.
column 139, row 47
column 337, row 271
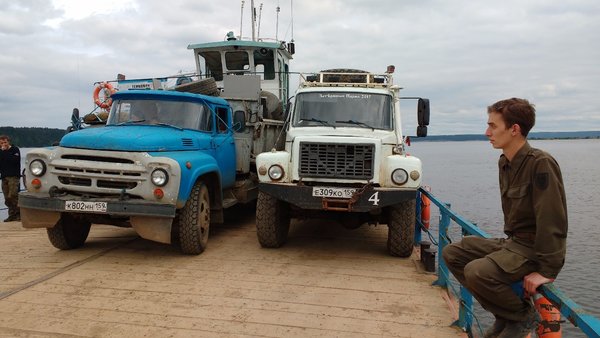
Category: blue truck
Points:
column 168, row 162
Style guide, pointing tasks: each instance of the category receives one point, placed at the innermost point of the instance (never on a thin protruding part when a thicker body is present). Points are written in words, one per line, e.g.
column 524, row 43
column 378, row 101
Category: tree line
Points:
column 29, row 137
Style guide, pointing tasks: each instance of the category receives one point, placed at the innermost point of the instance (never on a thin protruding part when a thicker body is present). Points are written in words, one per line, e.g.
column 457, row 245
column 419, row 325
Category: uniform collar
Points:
column 518, row 159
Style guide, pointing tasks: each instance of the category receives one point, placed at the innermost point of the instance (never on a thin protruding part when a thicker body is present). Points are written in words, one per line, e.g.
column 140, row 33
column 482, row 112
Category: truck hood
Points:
column 383, row 136
column 136, row 138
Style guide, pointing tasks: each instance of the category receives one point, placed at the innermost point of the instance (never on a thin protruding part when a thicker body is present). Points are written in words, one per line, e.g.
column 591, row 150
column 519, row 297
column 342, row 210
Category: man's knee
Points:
column 449, row 254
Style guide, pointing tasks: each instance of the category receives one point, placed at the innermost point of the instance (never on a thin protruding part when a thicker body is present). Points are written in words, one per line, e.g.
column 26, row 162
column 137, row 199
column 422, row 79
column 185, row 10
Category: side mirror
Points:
column 421, row 131
column 239, row 120
column 423, row 113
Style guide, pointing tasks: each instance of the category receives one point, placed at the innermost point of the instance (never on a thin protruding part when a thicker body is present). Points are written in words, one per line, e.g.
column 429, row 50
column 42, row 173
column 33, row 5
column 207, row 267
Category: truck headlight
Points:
column 399, row 176
column 159, row 177
column 37, row 167
column 276, row 172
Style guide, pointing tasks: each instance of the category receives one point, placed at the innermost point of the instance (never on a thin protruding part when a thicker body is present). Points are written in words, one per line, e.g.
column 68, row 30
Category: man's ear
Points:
column 515, row 130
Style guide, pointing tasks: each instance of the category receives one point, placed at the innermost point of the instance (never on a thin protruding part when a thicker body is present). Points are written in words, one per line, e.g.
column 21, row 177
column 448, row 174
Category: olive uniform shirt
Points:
column 535, row 209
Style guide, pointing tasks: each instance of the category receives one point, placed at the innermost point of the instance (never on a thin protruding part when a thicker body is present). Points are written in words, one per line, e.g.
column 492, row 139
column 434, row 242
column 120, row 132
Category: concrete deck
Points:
column 326, row 281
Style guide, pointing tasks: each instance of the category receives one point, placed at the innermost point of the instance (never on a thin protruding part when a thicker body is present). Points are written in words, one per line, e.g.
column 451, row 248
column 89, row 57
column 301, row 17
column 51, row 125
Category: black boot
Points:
column 522, row 328
column 496, row 328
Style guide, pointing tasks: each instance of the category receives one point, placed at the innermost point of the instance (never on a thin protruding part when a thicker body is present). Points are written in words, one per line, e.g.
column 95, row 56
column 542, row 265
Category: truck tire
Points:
column 401, row 228
column 194, row 221
column 272, row 221
column 69, row 232
column 205, row 86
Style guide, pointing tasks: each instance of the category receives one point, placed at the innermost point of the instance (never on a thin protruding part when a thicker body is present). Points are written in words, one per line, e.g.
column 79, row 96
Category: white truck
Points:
column 344, row 159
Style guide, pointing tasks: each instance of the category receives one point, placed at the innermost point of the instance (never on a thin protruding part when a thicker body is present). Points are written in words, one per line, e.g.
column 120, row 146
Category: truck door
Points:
column 224, row 146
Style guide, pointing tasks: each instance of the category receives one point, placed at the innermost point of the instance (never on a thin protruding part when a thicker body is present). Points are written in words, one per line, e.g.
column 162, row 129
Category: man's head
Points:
column 4, row 142
column 509, row 122
column 515, row 111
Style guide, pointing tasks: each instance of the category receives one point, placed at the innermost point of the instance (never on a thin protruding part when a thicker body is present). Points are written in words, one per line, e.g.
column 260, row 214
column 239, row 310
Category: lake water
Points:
column 465, row 174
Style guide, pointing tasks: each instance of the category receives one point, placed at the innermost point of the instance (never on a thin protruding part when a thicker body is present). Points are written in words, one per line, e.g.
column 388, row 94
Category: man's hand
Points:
column 532, row 281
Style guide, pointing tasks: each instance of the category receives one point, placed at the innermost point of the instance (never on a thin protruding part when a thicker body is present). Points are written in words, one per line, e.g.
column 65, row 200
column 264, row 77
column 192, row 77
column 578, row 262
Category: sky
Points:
column 462, row 55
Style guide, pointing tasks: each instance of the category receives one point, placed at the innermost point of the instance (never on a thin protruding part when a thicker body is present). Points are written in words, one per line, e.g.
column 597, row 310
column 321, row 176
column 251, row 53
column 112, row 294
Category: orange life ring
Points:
column 108, row 91
column 425, row 210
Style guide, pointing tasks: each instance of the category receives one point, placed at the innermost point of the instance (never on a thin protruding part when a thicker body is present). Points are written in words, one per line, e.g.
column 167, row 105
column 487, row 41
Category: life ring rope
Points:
column 108, row 90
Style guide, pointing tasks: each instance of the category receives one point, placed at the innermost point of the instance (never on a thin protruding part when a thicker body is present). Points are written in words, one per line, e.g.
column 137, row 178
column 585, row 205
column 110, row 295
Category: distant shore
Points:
column 532, row 136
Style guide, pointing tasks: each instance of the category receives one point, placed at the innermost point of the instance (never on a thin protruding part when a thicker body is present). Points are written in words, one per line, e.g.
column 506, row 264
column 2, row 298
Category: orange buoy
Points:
column 549, row 327
column 108, row 91
column 425, row 210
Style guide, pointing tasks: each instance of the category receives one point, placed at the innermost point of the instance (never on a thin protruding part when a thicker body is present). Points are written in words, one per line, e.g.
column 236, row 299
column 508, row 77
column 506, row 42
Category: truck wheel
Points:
column 272, row 221
column 69, row 232
column 194, row 221
column 401, row 228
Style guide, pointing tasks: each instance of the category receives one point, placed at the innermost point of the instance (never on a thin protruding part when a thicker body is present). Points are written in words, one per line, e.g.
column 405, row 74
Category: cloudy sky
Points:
column 462, row 55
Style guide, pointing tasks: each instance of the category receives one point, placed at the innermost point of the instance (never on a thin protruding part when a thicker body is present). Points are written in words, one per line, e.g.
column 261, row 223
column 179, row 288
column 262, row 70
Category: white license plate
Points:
column 333, row 192
column 85, row 206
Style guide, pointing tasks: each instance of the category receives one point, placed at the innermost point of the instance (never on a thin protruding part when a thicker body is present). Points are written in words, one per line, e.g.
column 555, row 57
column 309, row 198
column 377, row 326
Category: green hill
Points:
column 29, row 137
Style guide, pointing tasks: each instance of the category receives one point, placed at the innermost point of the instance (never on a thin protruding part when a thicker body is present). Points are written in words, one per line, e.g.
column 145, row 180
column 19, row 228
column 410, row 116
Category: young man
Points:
column 535, row 221
column 10, row 171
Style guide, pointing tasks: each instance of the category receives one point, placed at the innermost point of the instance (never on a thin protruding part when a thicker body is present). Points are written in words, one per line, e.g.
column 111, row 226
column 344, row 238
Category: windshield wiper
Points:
column 325, row 123
column 130, row 122
column 169, row 125
column 356, row 122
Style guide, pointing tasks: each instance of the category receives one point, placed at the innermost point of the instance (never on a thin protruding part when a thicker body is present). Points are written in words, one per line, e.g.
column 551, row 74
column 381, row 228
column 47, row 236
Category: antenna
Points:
column 277, row 22
column 253, row 12
column 259, row 18
column 292, row 14
column 241, row 18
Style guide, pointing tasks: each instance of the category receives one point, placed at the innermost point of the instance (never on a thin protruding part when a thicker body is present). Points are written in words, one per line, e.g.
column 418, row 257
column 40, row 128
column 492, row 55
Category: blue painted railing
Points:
column 581, row 319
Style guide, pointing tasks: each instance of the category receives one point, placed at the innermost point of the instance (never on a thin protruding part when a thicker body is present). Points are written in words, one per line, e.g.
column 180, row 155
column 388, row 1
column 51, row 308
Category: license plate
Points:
column 85, row 206
column 333, row 192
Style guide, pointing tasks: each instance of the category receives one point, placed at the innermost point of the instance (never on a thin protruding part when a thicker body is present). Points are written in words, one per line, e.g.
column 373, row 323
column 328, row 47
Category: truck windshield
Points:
column 189, row 115
column 343, row 109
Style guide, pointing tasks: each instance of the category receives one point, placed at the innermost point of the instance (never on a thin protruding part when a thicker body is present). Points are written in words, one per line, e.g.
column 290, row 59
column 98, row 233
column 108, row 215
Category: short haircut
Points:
column 515, row 111
column 5, row 137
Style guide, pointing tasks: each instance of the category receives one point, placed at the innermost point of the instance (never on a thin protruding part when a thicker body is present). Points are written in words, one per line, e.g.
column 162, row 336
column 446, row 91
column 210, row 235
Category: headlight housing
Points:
column 37, row 168
column 276, row 172
column 399, row 176
column 160, row 177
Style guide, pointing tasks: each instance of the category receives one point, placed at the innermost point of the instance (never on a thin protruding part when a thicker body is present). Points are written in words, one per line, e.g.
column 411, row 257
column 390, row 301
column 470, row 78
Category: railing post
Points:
column 443, row 273
column 418, row 219
column 465, row 311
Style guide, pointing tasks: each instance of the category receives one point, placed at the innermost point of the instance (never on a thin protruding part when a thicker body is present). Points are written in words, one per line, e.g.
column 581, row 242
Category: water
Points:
column 465, row 174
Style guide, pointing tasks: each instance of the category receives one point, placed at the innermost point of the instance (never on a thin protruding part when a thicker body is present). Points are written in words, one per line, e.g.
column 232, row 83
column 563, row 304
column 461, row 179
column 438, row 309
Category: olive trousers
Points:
column 487, row 269
column 10, row 189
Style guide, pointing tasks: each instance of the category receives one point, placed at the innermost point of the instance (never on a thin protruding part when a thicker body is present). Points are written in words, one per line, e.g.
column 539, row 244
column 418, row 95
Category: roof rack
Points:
column 346, row 78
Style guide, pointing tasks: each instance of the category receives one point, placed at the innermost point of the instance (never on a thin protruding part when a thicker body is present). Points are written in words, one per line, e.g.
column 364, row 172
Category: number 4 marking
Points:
column 375, row 198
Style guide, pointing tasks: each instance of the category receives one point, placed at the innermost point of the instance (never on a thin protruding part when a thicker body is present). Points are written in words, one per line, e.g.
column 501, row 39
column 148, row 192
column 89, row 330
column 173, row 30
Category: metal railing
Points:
column 570, row 310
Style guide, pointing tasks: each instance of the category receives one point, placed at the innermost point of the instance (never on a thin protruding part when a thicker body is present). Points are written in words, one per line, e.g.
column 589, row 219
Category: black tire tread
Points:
column 272, row 221
column 401, row 228
column 68, row 233
column 190, row 236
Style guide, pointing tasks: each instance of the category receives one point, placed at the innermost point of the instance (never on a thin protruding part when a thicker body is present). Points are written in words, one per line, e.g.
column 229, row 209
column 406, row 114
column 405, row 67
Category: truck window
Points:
column 222, row 119
column 182, row 114
column 366, row 109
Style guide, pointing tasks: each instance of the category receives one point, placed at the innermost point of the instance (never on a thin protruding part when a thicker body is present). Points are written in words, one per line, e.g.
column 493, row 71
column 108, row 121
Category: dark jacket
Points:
column 535, row 208
column 10, row 162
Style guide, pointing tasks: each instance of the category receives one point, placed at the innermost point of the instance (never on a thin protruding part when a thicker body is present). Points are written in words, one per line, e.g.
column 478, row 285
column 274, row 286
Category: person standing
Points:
column 10, row 172
column 535, row 222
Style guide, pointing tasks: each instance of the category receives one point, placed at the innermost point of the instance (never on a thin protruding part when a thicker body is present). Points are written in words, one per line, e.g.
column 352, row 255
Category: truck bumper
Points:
column 40, row 210
column 364, row 200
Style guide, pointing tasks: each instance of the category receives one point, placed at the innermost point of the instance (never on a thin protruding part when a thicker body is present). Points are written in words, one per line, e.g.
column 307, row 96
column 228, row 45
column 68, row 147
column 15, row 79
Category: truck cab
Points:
column 345, row 159
column 170, row 158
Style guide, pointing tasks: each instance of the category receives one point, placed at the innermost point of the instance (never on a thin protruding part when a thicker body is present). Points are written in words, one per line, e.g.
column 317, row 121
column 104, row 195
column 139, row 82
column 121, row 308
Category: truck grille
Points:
column 103, row 172
column 354, row 161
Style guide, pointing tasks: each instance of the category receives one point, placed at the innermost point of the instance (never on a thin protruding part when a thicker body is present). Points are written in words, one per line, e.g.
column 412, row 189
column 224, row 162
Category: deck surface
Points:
column 326, row 281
